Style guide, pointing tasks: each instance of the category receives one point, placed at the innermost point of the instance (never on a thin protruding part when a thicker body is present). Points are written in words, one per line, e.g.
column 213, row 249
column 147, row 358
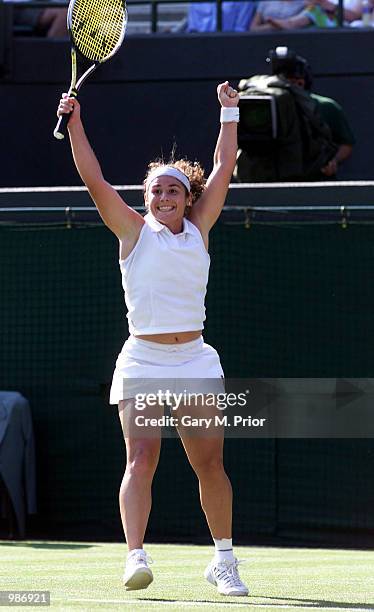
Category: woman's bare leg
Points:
column 143, row 453
column 204, row 449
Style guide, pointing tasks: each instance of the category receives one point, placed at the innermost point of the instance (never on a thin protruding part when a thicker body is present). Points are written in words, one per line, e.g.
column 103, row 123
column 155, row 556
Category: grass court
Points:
column 87, row 576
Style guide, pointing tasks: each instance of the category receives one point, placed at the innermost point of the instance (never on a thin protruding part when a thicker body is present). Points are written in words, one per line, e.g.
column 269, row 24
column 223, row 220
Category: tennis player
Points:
column 165, row 263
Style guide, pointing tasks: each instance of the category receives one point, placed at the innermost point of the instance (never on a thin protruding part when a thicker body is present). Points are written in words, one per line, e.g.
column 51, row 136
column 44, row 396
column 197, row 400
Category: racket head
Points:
column 97, row 27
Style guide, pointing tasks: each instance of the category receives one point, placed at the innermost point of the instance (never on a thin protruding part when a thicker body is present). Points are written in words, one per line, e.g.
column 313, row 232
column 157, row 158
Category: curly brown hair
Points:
column 193, row 170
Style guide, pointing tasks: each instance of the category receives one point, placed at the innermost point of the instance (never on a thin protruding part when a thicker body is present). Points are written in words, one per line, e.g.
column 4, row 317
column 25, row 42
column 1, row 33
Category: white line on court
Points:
column 212, row 604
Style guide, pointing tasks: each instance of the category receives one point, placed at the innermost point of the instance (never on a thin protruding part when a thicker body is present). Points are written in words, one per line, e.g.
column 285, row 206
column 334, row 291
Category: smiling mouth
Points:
column 165, row 208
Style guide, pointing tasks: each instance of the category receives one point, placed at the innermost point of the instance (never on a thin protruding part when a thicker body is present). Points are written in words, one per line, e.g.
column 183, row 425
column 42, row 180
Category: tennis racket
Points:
column 97, row 29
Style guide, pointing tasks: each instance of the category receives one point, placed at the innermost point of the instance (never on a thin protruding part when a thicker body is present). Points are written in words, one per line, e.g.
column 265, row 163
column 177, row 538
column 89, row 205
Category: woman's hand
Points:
column 69, row 105
column 227, row 96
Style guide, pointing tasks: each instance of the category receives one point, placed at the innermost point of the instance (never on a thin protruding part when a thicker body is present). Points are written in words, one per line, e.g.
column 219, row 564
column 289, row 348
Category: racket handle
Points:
column 60, row 129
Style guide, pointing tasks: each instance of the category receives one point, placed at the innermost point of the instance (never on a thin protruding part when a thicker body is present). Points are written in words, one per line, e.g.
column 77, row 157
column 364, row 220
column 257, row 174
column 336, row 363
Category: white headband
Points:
column 169, row 171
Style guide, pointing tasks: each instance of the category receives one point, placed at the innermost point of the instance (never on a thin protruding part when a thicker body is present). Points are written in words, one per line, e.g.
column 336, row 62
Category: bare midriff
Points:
column 172, row 338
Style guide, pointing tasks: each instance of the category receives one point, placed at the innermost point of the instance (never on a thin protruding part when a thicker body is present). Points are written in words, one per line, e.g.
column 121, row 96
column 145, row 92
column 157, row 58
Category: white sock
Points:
column 223, row 550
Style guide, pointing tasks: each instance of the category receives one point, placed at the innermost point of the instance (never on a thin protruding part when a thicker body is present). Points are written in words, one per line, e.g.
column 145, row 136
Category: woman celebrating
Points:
column 164, row 264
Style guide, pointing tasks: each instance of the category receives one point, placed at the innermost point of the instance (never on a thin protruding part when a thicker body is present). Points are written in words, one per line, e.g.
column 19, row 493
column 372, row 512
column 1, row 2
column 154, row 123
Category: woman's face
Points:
column 166, row 199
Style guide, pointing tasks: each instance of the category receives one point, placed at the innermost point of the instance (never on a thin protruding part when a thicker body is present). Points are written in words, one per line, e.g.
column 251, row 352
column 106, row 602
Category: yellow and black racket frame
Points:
column 97, row 29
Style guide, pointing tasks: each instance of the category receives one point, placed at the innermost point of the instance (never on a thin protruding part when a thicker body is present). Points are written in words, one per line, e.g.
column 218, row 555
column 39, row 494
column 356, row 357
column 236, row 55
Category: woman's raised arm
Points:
column 116, row 214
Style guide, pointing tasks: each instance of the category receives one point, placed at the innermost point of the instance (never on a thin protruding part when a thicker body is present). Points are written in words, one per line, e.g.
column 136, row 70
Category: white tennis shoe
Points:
column 137, row 573
column 225, row 577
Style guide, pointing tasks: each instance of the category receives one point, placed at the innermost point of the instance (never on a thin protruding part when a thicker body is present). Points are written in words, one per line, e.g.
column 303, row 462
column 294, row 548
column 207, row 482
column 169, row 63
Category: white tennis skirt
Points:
column 192, row 366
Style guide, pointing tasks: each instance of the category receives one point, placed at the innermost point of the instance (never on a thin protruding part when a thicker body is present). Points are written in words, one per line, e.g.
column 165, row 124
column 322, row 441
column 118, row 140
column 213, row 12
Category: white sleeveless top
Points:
column 165, row 278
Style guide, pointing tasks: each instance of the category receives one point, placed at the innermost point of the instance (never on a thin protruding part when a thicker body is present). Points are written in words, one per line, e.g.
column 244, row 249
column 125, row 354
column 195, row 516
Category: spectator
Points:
column 322, row 14
column 268, row 10
column 49, row 22
column 330, row 111
column 52, row 23
column 236, row 16
column 367, row 15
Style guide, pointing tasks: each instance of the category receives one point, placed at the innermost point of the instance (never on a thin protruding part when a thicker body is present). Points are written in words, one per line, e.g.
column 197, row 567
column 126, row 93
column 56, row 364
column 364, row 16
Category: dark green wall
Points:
column 294, row 301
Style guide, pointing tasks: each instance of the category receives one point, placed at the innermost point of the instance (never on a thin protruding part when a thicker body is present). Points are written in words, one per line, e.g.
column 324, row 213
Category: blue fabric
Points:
column 236, row 16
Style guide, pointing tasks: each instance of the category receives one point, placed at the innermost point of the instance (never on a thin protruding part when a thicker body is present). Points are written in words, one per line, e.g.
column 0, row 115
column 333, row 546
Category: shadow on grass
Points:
column 290, row 601
column 318, row 603
column 47, row 545
column 211, row 602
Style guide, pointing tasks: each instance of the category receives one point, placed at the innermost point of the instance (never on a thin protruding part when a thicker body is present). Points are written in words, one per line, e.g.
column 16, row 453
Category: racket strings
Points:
column 98, row 27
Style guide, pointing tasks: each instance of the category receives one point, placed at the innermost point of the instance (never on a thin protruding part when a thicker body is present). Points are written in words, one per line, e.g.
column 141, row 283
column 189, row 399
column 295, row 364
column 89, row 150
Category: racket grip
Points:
column 60, row 129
